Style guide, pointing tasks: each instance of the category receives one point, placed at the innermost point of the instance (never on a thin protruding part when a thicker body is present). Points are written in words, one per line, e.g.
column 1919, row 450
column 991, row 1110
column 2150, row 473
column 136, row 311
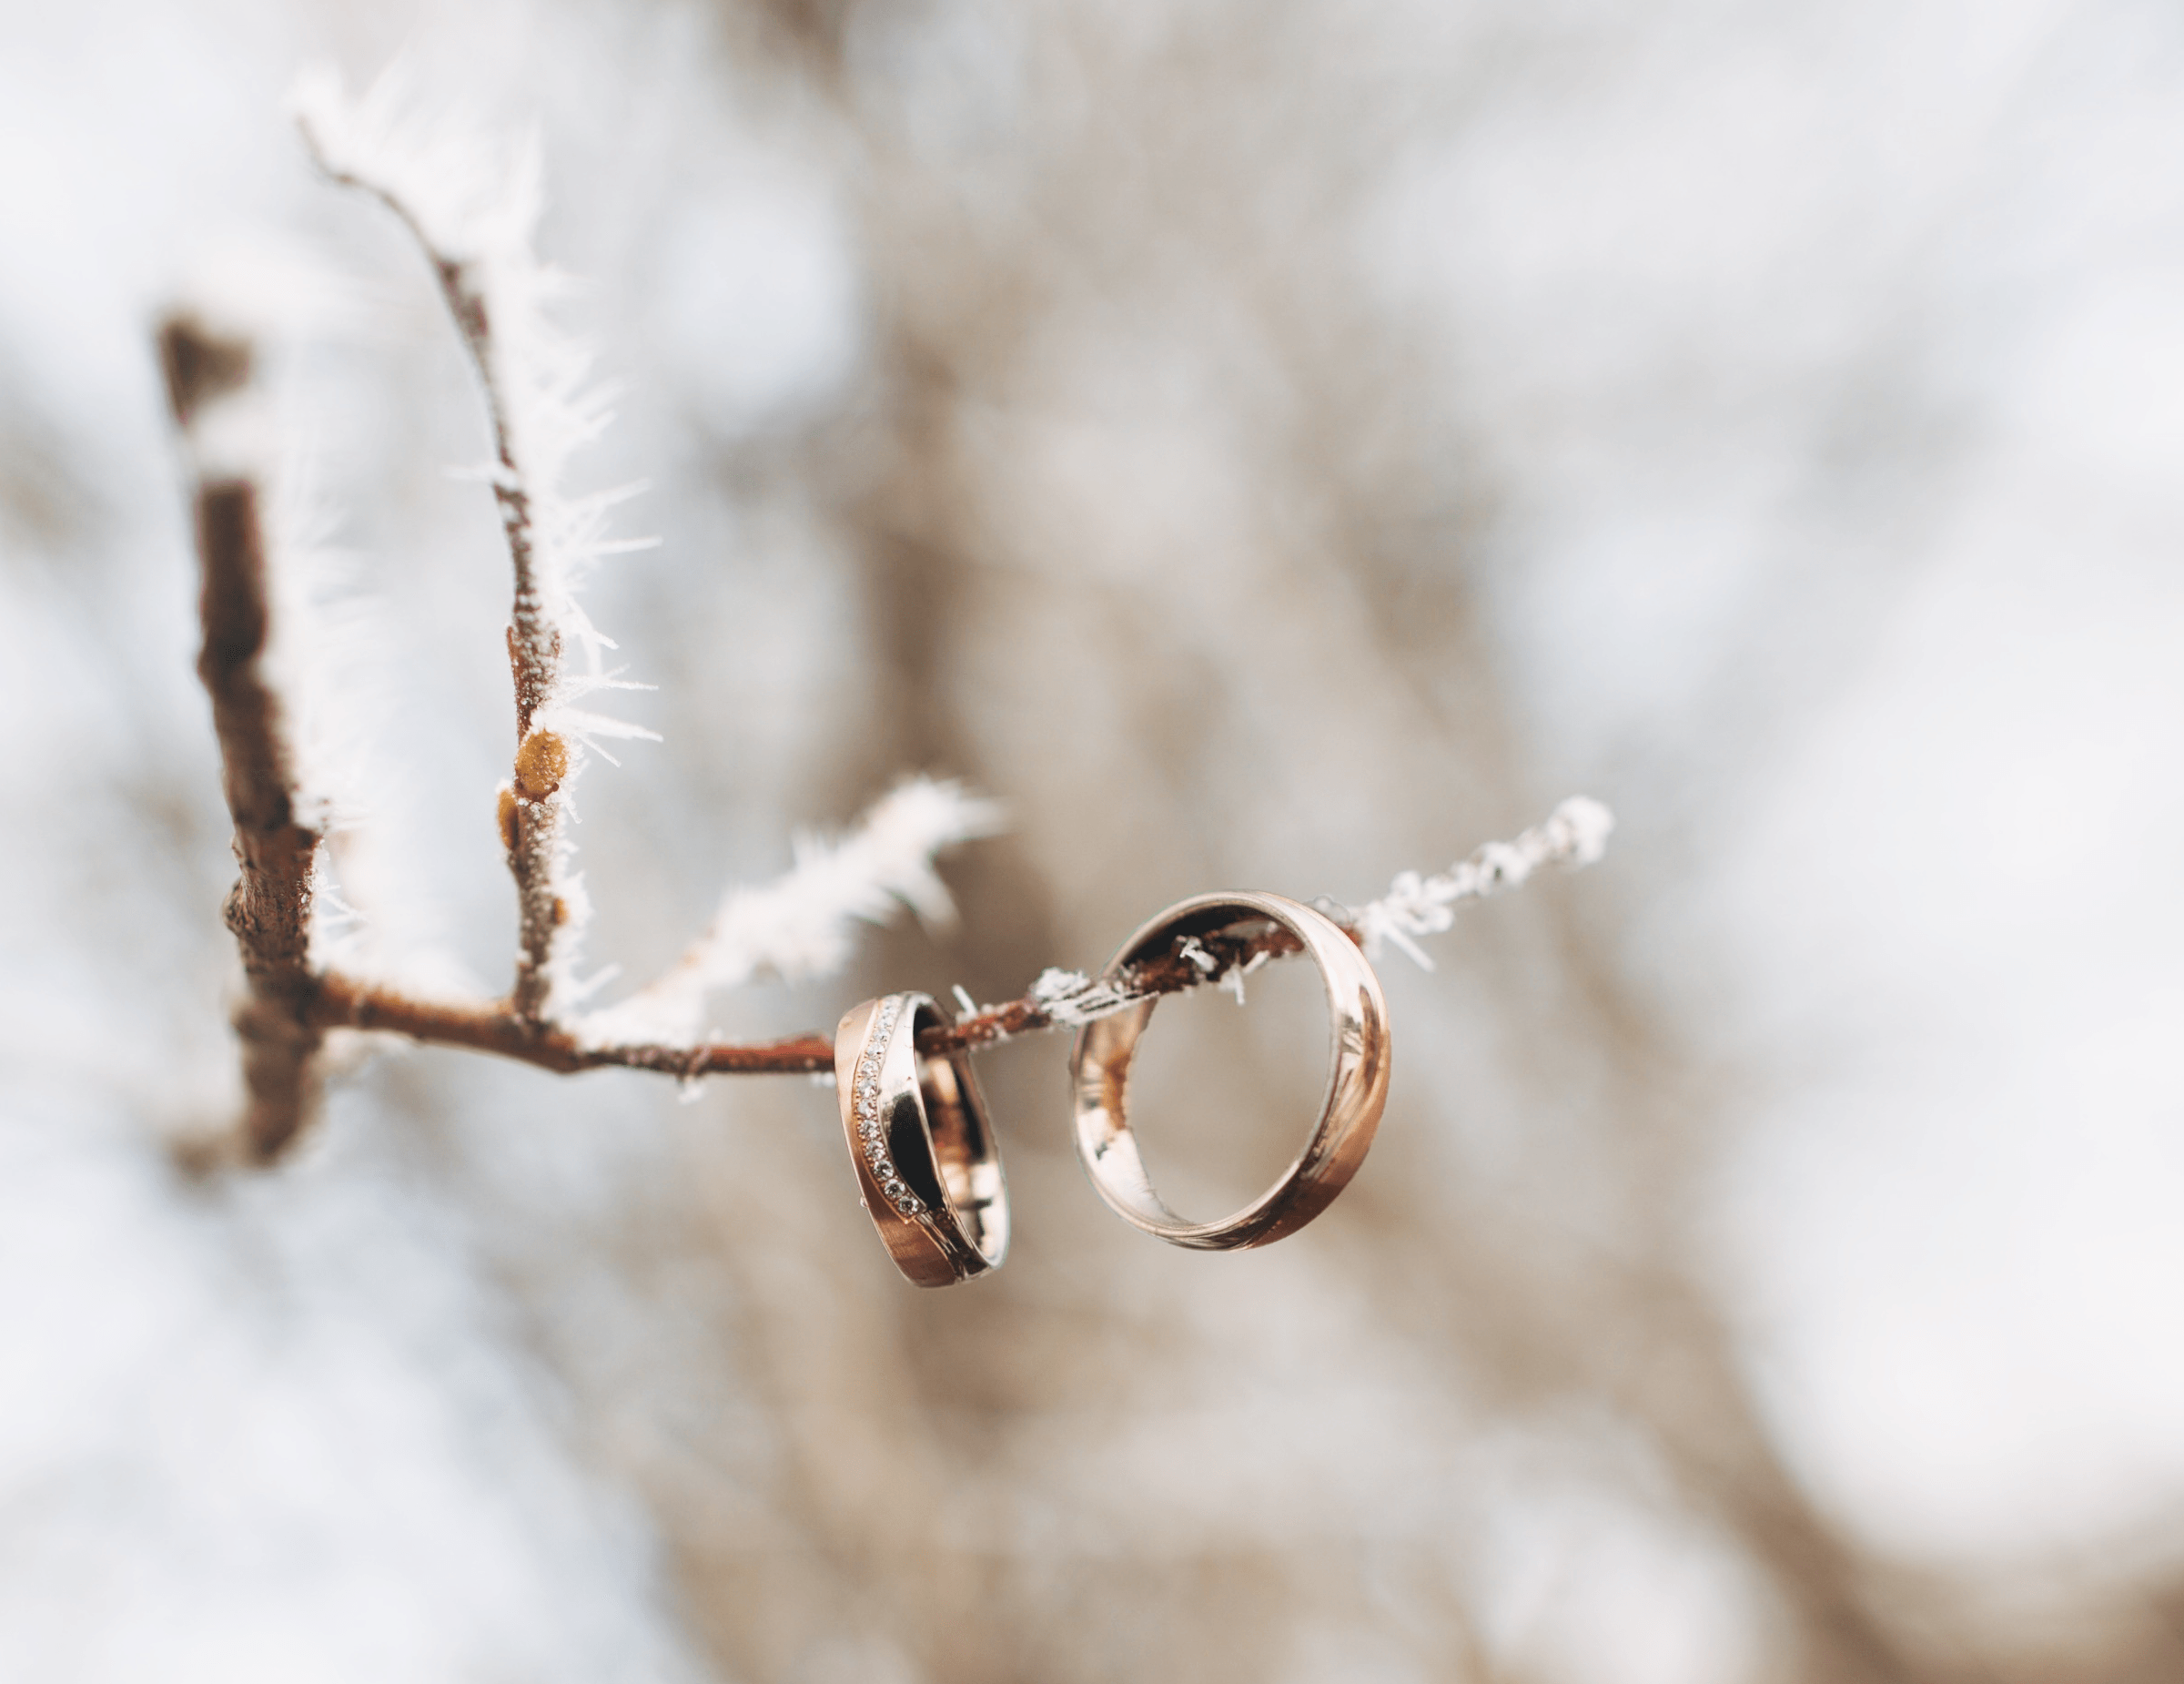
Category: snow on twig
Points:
column 472, row 205
column 1575, row 833
column 803, row 925
column 1058, row 999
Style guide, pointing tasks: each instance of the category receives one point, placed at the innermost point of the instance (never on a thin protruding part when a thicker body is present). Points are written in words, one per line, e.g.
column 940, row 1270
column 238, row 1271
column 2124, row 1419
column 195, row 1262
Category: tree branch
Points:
column 1573, row 836
column 269, row 908
column 1059, row 1000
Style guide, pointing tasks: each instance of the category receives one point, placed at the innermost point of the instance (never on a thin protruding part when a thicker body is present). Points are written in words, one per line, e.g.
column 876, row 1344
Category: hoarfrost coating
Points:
column 801, row 927
column 1575, row 833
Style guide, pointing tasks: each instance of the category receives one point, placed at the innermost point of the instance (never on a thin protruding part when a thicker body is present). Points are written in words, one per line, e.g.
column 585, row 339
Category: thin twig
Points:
column 1059, row 1001
column 269, row 908
column 531, row 808
column 1573, row 835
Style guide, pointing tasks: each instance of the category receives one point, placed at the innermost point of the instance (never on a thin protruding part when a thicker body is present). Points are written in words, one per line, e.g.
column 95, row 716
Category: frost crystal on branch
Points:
column 1574, row 834
column 1071, row 997
column 472, row 204
column 802, row 925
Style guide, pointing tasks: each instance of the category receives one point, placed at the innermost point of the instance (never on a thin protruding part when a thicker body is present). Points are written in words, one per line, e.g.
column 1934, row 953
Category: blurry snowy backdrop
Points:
column 1271, row 446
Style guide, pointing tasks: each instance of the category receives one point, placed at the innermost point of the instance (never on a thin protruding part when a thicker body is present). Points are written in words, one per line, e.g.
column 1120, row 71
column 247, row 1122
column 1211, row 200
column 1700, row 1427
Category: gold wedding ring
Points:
column 1357, row 1085
column 928, row 1170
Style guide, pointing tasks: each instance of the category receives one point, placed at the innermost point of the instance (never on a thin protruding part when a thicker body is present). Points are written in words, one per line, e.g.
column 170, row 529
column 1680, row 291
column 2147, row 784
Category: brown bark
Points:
column 269, row 908
column 335, row 1001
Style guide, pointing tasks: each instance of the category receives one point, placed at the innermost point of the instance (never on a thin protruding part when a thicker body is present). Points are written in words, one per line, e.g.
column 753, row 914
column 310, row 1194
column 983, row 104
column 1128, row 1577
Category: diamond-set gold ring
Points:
column 928, row 1168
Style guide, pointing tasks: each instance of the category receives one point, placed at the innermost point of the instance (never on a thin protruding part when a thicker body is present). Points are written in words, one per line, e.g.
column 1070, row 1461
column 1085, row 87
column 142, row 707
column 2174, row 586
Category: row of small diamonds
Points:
column 870, row 1136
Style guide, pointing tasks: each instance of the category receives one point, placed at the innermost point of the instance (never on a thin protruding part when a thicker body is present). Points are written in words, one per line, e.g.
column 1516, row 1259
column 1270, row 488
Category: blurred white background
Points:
column 1270, row 446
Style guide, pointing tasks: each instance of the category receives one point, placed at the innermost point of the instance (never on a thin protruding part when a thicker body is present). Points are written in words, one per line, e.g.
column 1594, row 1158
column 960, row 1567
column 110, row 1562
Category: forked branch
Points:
column 472, row 227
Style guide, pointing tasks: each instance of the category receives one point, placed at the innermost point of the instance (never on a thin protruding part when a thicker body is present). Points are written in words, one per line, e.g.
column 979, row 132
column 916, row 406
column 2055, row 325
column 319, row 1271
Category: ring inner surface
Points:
column 963, row 1159
column 909, row 1141
column 1111, row 1047
column 1204, row 921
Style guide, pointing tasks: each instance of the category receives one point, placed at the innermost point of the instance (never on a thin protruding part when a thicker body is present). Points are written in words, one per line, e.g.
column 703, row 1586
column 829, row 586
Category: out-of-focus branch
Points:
column 269, row 908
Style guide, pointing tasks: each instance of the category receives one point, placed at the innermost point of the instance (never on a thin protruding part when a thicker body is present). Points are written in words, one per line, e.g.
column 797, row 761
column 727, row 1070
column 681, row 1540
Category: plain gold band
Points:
column 928, row 1168
column 1357, row 1085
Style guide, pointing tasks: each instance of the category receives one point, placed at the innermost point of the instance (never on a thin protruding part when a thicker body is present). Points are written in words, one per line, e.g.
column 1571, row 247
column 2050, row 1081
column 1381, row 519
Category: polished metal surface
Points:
column 1356, row 1084
column 928, row 1169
